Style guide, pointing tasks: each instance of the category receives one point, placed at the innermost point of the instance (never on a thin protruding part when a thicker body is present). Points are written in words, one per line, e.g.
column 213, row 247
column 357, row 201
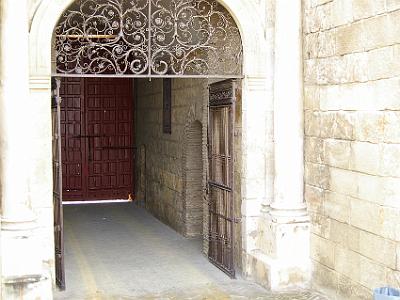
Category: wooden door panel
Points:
column 221, row 183
column 72, row 128
column 111, row 150
column 57, row 184
column 98, row 144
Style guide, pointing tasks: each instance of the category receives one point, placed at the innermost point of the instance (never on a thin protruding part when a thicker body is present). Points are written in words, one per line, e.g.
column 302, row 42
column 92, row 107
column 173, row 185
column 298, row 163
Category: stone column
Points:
column 282, row 260
column 287, row 221
column 18, row 223
column 288, row 112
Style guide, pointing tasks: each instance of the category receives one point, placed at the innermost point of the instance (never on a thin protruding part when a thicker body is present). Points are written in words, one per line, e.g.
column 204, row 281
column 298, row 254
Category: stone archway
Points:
column 256, row 93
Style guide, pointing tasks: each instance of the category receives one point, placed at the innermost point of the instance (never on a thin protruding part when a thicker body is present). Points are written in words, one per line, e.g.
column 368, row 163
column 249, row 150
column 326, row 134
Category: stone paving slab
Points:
column 122, row 252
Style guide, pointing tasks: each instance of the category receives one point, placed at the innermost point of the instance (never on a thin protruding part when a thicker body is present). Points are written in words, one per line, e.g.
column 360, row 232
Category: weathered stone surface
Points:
column 325, row 279
column 317, row 175
column 337, row 152
column 351, row 70
column 337, row 207
column 315, row 198
column 314, row 150
column 391, row 127
column 378, row 249
column 364, row 8
column 392, row 5
column 166, row 171
column 365, row 158
column 323, row 251
column 390, row 160
column 343, row 181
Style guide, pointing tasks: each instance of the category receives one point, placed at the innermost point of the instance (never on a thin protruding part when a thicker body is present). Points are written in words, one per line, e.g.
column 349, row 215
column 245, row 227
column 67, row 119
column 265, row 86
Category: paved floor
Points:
column 119, row 251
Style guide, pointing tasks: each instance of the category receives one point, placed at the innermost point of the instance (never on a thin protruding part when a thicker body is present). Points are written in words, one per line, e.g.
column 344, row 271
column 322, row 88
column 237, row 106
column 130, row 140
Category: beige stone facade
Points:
column 351, row 145
column 317, row 145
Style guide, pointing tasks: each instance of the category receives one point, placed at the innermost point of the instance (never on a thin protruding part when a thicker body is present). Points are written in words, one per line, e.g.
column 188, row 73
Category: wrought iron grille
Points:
column 148, row 38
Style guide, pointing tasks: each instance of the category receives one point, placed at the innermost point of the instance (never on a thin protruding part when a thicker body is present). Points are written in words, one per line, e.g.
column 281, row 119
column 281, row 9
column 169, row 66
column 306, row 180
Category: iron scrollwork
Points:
column 148, row 37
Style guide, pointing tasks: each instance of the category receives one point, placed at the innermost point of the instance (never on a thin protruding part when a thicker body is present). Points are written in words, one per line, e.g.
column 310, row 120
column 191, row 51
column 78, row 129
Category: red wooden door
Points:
column 97, row 128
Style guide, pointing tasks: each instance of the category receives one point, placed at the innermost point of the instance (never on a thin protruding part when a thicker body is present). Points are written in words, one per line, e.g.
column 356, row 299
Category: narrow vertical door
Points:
column 221, row 122
column 57, row 184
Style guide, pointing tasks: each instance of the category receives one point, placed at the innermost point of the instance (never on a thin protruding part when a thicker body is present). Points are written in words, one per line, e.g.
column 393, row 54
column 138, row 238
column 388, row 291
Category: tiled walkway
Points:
column 119, row 251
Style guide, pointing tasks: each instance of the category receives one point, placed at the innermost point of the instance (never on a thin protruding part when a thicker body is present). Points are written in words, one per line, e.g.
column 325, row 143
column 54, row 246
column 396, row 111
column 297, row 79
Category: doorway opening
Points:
column 110, row 58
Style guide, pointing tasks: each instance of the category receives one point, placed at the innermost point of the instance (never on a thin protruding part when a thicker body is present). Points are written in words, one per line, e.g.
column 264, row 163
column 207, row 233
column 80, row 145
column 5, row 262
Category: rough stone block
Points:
column 369, row 126
column 337, row 153
column 342, row 12
column 383, row 62
column 312, row 123
column 370, row 188
column 371, row 96
column 339, row 233
column 391, row 127
column 315, row 198
column 314, row 150
column 338, row 125
column 317, row 175
column 353, row 241
column 366, row 215
column 348, row 263
column 365, row 8
column 337, row 207
column 320, row 224
column 322, row 251
column 320, row 44
column 311, row 97
column 390, row 160
column 361, row 293
column 324, row 278
column 378, row 249
column 372, row 274
column 392, row 5
column 343, row 181
column 393, row 278
column 390, row 223
column 350, row 38
column 398, row 257
column 391, row 192
column 366, row 157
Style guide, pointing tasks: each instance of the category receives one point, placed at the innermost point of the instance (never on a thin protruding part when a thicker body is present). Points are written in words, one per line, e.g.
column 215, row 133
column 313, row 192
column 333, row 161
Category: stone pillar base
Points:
column 283, row 259
column 21, row 266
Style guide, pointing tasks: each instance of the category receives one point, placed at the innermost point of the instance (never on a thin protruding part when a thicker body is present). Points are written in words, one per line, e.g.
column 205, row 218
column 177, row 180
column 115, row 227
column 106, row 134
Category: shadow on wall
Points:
column 194, row 181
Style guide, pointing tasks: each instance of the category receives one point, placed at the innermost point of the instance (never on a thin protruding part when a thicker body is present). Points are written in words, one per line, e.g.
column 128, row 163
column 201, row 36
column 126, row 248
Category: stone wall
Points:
column 352, row 144
column 170, row 160
column 166, row 155
column 194, row 187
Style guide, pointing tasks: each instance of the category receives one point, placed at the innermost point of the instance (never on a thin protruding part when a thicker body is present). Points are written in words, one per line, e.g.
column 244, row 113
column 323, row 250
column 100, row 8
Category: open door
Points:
column 57, row 183
column 221, row 183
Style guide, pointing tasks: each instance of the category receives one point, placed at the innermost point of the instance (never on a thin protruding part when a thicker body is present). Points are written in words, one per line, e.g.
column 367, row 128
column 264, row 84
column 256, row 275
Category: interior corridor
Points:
column 120, row 251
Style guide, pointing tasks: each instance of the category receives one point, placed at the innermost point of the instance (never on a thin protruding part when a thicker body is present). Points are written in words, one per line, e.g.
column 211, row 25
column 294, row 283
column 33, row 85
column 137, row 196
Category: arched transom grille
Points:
column 148, row 38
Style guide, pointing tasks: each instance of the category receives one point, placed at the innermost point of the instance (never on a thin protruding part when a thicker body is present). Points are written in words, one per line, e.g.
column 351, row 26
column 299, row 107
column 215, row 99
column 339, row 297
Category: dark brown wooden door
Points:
column 97, row 147
column 57, row 185
column 221, row 219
